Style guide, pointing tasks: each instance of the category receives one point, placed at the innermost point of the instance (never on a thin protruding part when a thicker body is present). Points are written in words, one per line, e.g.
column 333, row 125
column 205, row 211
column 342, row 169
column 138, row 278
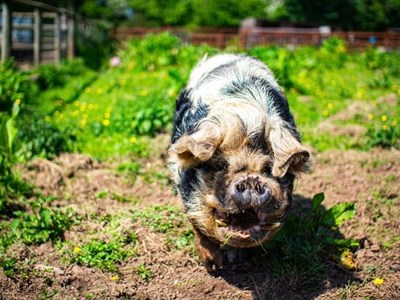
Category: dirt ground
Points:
column 370, row 179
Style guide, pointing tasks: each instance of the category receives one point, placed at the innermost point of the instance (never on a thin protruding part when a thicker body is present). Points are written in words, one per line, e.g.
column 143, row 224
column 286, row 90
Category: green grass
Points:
column 168, row 220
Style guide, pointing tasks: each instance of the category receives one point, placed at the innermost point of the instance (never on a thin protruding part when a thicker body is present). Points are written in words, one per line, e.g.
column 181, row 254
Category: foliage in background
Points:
column 13, row 86
column 51, row 76
column 114, row 112
column 372, row 15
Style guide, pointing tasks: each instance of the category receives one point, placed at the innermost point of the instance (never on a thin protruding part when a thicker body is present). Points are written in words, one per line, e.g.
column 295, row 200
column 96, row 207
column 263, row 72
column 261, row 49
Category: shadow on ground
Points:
column 294, row 266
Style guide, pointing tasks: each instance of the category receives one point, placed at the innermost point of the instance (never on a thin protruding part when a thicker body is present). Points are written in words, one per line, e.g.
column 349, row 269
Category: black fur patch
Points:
column 189, row 183
column 186, row 118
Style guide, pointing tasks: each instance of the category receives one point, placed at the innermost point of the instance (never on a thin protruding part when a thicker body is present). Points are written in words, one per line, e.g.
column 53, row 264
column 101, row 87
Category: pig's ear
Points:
column 190, row 150
column 289, row 154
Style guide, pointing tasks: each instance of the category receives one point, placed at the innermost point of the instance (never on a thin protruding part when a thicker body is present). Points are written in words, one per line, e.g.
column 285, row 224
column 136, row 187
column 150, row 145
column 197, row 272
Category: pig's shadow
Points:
column 274, row 274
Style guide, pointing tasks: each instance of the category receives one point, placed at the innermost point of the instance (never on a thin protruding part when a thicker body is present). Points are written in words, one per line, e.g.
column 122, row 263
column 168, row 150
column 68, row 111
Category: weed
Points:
column 144, row 272
column 9, row 265
column 116, row 197
column 168, row 220
column 7, row 135
column 160, row 218
column 384, row 136
column 43, row 139
column 304, row 241
column 43, row 223
column 101, row 254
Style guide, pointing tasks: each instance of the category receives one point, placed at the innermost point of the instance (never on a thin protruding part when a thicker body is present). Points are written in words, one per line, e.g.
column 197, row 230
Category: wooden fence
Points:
column 44, row 34
column 251, row 37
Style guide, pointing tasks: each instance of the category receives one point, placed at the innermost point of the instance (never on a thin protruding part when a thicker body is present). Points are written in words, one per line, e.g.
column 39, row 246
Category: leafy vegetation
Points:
column 101, row 254
column 309, row 236
column 366, row 15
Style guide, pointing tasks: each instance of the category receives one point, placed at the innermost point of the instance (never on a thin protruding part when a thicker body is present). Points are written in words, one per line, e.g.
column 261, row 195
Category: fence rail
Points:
column 266, row 36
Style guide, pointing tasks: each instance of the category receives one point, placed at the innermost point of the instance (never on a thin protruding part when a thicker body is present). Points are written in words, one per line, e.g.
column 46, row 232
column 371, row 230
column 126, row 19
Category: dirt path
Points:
column 370, row 179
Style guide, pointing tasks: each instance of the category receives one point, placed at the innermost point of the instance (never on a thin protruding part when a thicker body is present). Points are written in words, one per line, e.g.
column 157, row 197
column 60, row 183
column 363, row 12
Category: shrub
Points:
column 154, row 51
column 13, row 85
column 43, row 139
column 51, row 75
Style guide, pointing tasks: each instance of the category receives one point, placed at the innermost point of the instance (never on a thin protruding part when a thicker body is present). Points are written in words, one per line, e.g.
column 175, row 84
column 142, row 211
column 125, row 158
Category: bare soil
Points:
column 370, row 179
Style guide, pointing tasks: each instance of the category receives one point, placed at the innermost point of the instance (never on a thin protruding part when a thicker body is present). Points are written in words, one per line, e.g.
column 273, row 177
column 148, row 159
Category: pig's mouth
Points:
column 248, row 224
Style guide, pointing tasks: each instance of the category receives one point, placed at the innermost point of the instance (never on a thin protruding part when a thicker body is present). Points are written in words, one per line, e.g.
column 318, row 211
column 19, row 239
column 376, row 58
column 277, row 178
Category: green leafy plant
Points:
column 7, row 135
column 9, row 265
column 150, row 121
column 13, row 85
column 384, row 136
column 43, row 139
column 299, row 247
column 144, row 272
column 43, row 223
column 52, row 75
column 102, row 254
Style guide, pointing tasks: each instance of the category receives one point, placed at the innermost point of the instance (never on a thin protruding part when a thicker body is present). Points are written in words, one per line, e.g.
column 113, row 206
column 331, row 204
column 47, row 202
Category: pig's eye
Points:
column 267, row 170
column 215, row 165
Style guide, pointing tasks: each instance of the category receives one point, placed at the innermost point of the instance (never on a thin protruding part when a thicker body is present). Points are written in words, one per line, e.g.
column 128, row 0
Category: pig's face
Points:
column 240, row 192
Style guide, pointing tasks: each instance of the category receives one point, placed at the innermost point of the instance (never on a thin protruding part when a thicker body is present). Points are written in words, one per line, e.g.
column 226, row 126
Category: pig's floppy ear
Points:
column 289, row 154
column 190, row 150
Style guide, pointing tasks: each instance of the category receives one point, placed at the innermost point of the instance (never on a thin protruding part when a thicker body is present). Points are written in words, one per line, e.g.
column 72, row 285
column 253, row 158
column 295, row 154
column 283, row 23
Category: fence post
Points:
column 57, row 38
column 71, row 38
column 37, row 33
column 6, row 28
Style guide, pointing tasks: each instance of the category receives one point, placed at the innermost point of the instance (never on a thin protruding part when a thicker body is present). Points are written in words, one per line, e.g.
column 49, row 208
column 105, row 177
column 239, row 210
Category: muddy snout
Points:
column 250, row 191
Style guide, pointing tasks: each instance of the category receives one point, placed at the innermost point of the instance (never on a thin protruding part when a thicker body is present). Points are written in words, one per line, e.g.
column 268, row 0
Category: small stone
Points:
column 395, row 267
column 375, row 248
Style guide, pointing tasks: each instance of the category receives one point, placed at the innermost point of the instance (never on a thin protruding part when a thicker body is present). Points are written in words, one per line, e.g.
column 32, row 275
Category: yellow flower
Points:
column 99, row 91
column 122, row 82
column 325, row 112
column 107, row 115
column 133, row 140
column 384, row 118
column 83, row 122
column 77, row 103
column 330, row 105
column 143, row 93
column 384, row 127
column 18, row 101
column 106, row 122
column 90, row 106
column 378, row 281
column 347, row 260
column 88, row 90
column 115, row 278
column 77, row 250
column 394, row 123
column 370, row 116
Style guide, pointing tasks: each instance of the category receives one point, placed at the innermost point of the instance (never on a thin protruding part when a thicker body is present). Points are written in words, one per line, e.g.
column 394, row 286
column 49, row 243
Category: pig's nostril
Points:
column 265, row 196
column 241, row 187
column 260, row 189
